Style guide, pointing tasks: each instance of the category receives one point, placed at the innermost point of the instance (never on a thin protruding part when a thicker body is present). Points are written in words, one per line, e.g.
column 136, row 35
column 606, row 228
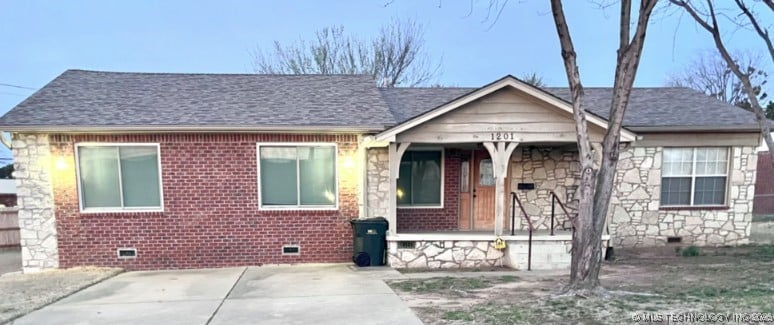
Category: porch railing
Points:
column 554, row 200
column 514, row 201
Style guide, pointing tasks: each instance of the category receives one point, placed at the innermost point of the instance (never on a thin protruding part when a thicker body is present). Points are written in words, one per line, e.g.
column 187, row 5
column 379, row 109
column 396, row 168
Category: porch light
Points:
column 348, row 162
column 399, row 193
column 60, row 163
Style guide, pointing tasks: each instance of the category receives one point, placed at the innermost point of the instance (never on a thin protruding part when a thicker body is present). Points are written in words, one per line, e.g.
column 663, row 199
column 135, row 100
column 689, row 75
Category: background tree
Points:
column 742, row 16
column 533, row 79
column 395, row 57
column 710, row 74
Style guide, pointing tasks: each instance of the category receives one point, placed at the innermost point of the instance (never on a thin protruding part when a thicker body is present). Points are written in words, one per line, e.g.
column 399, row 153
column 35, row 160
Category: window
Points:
column 419, row 180
column 119, row 177
column 694, row 176
column 297, row 176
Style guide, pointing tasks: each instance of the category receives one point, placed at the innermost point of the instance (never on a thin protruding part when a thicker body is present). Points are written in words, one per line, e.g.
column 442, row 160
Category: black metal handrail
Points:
column 554, row 200
column 514, row 201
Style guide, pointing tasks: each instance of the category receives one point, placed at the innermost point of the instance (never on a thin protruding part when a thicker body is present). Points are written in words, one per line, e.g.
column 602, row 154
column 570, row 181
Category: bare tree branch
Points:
column 764, row 34
column 396, row 57
column 714, row 29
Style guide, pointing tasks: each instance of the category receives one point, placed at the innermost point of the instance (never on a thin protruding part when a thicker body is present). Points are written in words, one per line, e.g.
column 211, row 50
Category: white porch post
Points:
column 500, row 153
column 395, row 151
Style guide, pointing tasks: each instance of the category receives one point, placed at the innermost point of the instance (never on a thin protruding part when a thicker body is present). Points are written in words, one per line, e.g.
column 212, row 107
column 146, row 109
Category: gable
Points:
column 508, row 113
column 496, row 130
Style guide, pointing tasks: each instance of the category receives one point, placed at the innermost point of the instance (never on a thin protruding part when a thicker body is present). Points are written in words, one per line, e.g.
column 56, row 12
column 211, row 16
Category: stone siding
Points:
column 448, row 254
column 636, row 219
column 377, row 183
column 38, row 232
column 550, row 169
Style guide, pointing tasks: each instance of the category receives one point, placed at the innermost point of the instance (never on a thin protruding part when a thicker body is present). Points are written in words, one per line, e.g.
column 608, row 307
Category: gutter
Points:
column 693, row 129
column 191, row 129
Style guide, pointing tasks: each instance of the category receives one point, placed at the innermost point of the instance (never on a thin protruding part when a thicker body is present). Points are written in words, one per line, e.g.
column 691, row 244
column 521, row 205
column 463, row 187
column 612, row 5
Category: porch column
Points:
column 395, row 151
column 500, row 153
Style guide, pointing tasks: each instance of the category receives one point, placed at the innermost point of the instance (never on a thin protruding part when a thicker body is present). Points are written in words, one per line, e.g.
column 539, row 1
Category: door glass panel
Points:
column 465, row 176
column 486, row 173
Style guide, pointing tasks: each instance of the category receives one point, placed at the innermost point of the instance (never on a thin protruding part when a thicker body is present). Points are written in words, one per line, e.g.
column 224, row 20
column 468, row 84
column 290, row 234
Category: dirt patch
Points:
column 661, row 282
column 23, row 293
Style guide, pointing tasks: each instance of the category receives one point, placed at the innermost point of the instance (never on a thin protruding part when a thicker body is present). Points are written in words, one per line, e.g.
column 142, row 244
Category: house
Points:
column 159, row 170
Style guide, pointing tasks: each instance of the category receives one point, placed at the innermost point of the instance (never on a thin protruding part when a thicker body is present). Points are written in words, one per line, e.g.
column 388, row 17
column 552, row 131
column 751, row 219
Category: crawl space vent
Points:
column 127, row 253
column 407, row 244
column 291, row 250
column 674, row 240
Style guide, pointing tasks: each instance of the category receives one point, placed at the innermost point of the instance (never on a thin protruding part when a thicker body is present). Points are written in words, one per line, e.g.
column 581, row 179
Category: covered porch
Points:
column 498, row 163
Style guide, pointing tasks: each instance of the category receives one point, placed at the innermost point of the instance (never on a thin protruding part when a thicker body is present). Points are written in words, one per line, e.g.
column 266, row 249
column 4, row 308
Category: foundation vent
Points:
column 127, row 253
column 674, row 240
column 291, row 250
column 407, row 244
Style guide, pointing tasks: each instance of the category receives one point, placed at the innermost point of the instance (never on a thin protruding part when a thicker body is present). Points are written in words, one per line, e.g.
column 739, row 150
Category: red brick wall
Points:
column 445, row 218
column 764, row 185
column 211, row 216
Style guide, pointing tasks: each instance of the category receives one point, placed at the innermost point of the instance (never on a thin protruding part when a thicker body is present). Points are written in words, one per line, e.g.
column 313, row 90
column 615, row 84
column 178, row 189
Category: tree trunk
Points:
column 596, row 186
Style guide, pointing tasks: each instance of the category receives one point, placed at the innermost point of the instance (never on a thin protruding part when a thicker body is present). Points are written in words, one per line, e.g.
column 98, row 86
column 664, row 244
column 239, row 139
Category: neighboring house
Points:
column 151, row 170
column 764, row 191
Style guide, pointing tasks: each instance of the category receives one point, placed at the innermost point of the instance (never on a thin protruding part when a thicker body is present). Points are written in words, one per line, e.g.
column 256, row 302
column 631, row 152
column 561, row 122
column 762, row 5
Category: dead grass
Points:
column 739, row 279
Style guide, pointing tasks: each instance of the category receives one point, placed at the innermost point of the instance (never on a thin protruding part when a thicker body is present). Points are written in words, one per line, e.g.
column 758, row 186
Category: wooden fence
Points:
column 9, row 227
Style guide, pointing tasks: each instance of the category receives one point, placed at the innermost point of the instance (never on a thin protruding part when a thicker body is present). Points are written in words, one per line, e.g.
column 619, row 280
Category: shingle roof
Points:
column 90, row 98
column 95, row 99
column 648, row 107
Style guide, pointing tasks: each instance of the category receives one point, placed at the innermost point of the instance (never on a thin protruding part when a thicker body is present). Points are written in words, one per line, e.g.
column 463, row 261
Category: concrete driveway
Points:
column 330, row 294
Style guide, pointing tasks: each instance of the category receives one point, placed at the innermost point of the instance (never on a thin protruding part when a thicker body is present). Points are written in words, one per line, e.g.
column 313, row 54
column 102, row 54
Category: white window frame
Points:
column 693, row 177
column 443, row 178
column 334, row 207
column 85, row 210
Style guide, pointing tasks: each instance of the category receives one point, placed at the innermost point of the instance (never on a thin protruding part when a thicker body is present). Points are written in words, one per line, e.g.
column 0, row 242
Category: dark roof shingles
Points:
column 90, row 98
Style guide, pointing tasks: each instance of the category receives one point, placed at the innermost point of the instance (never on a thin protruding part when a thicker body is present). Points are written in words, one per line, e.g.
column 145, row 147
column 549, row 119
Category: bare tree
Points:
column 711, row 75
column 707, row 18
column 395, row 57
column 533, row 79
column 596, row 184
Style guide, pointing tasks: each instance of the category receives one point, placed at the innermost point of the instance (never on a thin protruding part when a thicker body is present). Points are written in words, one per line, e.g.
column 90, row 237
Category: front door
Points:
column 483, row 191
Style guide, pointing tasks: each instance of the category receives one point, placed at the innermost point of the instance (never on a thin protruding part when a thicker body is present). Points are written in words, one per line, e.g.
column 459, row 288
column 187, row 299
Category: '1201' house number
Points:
column 503, row 136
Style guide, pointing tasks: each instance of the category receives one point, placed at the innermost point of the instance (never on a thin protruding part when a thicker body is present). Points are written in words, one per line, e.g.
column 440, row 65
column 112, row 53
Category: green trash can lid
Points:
column 379, row 220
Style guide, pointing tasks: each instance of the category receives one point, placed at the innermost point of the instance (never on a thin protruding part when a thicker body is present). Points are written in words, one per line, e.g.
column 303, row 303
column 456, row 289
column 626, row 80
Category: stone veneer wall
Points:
column 377, row 182
column 444, row 254
column 549, row 168
column 32, row 165
column 635, row 217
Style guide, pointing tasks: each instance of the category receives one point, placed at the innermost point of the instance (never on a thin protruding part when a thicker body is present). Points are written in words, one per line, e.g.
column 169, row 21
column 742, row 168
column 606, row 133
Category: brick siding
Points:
column 211, row 216
column 446, row 218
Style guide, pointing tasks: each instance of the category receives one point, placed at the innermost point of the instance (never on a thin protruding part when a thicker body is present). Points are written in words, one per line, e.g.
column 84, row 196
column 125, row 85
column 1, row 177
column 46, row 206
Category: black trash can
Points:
column 369, row 241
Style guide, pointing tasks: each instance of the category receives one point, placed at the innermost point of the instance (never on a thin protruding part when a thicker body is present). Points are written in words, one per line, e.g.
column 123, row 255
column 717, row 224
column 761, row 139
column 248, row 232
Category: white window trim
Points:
column 85, row 210
column 334, row 207
column 443, row 179
column 693, row 178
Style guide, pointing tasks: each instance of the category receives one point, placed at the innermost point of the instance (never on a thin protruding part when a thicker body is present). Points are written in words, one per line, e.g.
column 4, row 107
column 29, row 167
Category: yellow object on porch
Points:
column 499, row 243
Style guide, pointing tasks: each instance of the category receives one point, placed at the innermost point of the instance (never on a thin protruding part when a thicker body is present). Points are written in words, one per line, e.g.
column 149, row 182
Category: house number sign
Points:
column 503, row 136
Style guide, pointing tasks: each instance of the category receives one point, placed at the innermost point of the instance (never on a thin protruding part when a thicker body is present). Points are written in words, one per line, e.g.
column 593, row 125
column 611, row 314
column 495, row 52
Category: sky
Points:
column 41, row 39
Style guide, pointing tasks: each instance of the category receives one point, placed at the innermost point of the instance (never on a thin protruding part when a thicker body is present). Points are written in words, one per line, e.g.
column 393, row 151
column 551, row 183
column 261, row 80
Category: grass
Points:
column 718, row 280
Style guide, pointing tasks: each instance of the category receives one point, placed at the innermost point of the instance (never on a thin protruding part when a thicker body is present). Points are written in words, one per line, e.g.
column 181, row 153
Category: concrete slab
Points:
column 10, row 260
column 327, row 309
column 147, row 313
column 156, row 286
column 154, row 297
column 328, row 294
column 313, row 294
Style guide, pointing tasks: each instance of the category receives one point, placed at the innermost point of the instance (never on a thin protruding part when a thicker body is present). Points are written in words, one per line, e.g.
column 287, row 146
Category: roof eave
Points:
column 696, row 129
column 191, row 129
